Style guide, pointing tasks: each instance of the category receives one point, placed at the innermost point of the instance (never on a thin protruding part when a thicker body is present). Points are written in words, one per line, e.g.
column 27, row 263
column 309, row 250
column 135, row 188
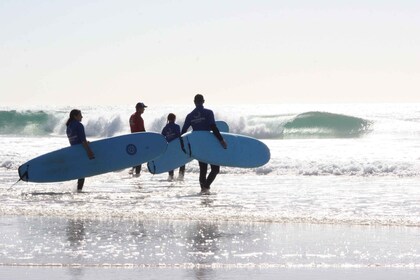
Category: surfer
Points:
column 76, row 133
column 137, row 125
column 172, row 131
column 203, row 119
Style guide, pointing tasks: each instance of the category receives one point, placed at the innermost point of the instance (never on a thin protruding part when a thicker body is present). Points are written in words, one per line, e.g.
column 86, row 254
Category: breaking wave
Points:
column 41, row 123
column 26, row 123
column 323, row 124
column 304, row 125
column 107, row 124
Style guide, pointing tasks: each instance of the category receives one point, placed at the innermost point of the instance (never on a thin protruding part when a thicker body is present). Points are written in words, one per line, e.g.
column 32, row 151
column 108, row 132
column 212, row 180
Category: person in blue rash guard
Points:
column 203, row 119
column 172, row 131
column 76, row 134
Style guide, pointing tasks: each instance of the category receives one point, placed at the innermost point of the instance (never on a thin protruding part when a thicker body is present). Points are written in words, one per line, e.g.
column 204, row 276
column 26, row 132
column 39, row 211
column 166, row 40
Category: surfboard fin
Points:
column 183, row 147
column 181, row 141
column 152, row 167
column 189, row 147
column 24, row 176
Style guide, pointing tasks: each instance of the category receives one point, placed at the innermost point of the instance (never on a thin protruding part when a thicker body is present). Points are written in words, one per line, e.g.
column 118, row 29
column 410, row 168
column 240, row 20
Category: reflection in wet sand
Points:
column 76, row 234
column 204, row 247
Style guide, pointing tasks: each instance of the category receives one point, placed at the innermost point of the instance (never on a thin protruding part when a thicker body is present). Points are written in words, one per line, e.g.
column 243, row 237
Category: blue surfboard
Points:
column 242, row 151
column 222, row 126
column 174, row 155
column 111, row 154
column 173, row 158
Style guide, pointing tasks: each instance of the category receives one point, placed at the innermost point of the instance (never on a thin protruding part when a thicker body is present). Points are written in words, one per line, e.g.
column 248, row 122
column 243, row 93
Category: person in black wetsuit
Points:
column 203, row 119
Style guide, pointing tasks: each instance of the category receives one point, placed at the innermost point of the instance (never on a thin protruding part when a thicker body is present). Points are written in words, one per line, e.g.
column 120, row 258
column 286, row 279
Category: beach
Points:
column 123, row 249
column 67, row 249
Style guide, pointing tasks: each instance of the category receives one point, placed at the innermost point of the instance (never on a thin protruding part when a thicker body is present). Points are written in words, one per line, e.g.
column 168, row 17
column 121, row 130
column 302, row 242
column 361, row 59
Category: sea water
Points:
column 341, row 191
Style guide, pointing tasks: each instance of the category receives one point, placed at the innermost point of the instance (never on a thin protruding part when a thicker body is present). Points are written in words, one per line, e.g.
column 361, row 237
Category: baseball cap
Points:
column 140, row 105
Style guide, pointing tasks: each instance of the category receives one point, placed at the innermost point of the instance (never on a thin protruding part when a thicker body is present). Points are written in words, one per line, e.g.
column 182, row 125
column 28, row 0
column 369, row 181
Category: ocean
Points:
column 339, row 198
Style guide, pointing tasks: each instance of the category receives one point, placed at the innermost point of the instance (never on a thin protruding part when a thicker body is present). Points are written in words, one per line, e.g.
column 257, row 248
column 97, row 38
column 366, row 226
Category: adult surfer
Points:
column 137, row 125
column 203, row 119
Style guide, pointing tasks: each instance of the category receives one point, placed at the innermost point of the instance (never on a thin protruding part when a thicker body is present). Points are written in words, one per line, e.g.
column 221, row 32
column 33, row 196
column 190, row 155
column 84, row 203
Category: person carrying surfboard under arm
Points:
column 137, row 125
column 203, row 119
column 76, row 133
column 172, row 131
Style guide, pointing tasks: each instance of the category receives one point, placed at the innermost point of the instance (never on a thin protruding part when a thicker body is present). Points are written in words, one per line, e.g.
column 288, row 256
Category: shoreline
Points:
column 55, row 242
column 239, row 273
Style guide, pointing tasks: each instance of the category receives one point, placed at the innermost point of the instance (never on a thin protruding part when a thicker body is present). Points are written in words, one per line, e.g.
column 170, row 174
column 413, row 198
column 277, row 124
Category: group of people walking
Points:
column 198, row 119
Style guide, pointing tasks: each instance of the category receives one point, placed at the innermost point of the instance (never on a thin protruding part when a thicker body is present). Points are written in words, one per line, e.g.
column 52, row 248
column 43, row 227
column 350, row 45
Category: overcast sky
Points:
column 232, row 51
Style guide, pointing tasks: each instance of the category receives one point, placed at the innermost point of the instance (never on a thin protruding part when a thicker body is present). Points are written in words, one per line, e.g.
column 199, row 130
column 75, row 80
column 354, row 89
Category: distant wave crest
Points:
column 323, row 124
column 41, row 123
column 304, row 125
column 26, row 123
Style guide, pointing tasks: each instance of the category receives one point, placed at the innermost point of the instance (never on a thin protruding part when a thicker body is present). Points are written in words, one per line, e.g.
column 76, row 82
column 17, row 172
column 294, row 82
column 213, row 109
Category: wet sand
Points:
column 60, row 248
column 36, row 273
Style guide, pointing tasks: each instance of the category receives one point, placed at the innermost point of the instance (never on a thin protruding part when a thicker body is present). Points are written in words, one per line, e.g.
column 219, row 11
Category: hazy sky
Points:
column 162, row 52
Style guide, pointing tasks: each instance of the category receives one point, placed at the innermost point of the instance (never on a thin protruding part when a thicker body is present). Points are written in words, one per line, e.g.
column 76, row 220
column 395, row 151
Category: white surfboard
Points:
column 242, row 151
column 175, row 156
column 111, row 154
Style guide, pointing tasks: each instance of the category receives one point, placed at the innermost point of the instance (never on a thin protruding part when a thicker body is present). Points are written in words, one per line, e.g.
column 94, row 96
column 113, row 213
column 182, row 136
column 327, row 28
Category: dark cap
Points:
column 199, row 98
column 140, row 105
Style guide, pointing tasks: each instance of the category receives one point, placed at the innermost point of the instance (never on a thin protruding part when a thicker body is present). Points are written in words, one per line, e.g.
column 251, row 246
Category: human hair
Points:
column 199, row 99
column 72, row 115
column 171, row 117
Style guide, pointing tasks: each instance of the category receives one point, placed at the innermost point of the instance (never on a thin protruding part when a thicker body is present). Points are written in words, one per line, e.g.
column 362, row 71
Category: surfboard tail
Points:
column 152, row 167
column 23, row 172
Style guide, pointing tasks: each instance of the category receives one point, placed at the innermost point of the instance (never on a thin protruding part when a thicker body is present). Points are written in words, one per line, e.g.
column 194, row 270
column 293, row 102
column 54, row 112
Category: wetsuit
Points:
column 171, row 132
column 76, row 134
column 203, row 119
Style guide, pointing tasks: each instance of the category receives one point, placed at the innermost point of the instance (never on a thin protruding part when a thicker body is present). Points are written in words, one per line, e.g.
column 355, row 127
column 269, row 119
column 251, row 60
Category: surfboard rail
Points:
column 111, row 154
